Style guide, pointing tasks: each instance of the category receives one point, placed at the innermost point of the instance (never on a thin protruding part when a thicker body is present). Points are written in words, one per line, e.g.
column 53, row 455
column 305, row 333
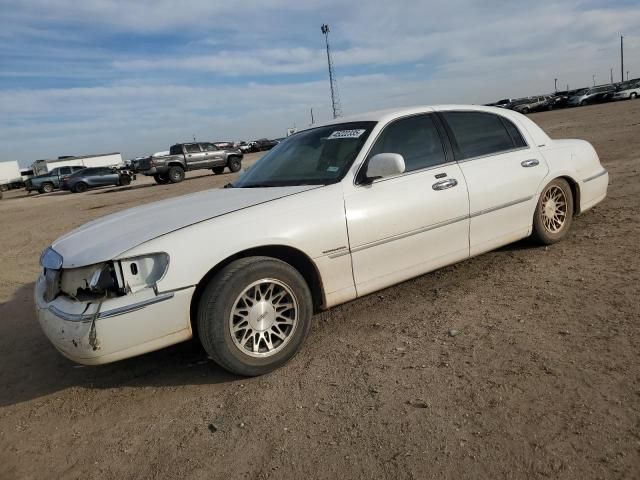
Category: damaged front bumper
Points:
column 91, row 333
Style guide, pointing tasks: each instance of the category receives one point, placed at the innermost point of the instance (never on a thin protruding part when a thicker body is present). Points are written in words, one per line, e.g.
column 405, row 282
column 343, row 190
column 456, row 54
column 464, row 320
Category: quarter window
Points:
column 416, row 139
column 480, row 133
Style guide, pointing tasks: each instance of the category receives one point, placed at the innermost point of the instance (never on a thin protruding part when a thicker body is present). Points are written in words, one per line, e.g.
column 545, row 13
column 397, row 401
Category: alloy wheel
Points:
column 554, row 209
column 263, row 318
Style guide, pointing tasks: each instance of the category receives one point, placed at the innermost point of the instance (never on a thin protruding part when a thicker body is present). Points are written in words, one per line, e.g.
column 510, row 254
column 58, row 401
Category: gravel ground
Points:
column 543, row 379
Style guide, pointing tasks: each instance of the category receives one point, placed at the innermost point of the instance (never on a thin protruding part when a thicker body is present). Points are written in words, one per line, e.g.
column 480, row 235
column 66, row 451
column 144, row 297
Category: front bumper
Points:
column 125, row 326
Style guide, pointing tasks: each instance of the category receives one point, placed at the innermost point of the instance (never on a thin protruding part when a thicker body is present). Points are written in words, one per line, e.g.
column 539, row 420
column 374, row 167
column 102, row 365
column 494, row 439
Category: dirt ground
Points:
column 542, row 382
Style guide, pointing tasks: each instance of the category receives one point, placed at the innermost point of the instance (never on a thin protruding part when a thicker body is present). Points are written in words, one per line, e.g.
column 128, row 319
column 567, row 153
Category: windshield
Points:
column 318, row 156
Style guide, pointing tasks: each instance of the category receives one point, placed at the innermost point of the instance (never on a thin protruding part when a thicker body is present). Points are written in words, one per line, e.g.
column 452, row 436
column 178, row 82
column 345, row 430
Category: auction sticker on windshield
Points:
column 346, row 134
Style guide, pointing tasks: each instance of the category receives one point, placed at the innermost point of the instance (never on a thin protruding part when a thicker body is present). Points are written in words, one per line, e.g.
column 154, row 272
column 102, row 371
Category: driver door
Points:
column 403, row 226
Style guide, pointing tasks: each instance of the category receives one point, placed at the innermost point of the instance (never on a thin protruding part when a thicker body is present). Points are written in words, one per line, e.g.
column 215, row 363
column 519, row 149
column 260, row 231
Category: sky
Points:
column 93, row 76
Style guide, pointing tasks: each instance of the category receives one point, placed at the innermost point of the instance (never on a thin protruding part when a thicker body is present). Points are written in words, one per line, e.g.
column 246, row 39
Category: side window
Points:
column 209, row 147
column 416, row 139
column 65, row 171
column 192, row 148
column 479, row 133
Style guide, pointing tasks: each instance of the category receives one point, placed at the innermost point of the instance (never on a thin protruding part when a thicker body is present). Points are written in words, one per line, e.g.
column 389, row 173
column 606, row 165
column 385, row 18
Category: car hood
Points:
column 108, row 237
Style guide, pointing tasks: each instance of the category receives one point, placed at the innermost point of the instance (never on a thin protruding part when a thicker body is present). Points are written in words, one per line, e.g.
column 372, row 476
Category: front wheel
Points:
column 554, row 212
column 125, row 180
column 234, row 164
column 46, row 188
column 633, row 95
column 254, row 315
column 217, row 170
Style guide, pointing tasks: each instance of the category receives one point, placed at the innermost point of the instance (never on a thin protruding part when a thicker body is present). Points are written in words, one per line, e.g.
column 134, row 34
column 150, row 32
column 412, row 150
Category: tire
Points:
column 217, row 170
column 125, row 180
column 525, row 111
column 223, row 294
column 160, row 179
column 80, row 187
column 175, row 174
column 234, row 164
column 554, row 212
column 46, row 188
column 583, row 103
column 633, row 96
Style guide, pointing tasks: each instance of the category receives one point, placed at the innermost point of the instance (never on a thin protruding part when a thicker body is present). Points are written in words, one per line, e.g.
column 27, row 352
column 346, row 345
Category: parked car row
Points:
column 573, row 98
column 78, row 179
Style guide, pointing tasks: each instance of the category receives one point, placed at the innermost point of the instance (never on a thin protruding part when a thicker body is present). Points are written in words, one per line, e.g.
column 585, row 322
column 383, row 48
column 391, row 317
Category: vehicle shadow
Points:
column 33, row 368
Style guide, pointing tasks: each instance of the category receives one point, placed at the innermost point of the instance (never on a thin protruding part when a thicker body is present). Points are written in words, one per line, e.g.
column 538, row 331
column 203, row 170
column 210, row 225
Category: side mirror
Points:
column 385, row 165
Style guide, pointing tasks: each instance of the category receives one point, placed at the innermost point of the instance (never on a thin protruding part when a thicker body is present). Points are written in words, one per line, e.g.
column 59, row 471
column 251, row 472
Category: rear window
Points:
column 175, row 150
column 479, row 133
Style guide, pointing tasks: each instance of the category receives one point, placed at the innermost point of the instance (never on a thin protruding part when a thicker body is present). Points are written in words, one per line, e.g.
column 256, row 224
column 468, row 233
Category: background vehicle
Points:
column 41, row 167
column 628, row 91
column 51, row 181
column 501, row 103
column 264, row 144
column 592, row 95
column 185, row 157
column 10, row 176
column 86, row 178
column 533, row 104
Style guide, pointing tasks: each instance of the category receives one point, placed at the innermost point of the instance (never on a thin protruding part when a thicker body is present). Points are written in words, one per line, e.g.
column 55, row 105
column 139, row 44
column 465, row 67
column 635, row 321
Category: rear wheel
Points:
column 46, row 188
column 525, row 110
column 217, row 170
column 234, row 164
column 254, row 315
column 125, row 180
column 80, row 187
column 160, row 179
column 633, row 95
column 583, row 103
column 175, row 174
column 554, row 212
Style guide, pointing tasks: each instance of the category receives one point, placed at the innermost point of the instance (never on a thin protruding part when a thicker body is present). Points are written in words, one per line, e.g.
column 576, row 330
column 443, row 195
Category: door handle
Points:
column 529, row 163
column 444, row 184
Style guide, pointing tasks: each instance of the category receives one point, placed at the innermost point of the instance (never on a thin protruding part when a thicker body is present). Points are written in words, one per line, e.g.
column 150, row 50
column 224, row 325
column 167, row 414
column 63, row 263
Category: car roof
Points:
column 388, row 115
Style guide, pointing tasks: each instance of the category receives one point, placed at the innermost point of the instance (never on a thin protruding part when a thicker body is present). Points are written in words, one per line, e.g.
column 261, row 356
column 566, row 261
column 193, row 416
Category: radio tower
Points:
column 335, row 99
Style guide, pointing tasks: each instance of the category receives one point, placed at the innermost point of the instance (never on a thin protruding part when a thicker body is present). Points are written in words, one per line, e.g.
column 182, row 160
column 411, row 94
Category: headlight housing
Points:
column 114, row 278
column 143, row 271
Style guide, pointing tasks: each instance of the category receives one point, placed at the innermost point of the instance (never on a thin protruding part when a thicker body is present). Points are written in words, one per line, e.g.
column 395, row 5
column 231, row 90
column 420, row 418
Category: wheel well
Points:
column 176, row 164
column 575, row 191
column 294, row 257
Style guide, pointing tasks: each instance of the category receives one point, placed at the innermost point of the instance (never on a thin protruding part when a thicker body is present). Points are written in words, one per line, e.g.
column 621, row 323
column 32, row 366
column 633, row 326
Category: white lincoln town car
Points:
column 332, row 213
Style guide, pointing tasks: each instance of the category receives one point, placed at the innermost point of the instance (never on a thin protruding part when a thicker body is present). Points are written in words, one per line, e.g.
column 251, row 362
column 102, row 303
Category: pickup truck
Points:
column 50, row 181
column 184, row 157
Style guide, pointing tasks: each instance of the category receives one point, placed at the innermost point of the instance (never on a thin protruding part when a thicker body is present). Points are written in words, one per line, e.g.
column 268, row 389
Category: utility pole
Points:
column 312, row 116
column 335, row 99
column 594, row 79
column 555, row 85
column 627, row 75
column 611, row 75
column 621, row 58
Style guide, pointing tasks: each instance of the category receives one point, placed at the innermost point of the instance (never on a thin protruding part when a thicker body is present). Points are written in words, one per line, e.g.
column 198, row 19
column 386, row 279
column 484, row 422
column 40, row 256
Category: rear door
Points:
column 503, row 171
column 400, row 227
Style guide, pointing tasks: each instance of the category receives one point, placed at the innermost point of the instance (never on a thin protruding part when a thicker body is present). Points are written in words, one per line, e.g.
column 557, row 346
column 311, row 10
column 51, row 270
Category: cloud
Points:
column 96, row 75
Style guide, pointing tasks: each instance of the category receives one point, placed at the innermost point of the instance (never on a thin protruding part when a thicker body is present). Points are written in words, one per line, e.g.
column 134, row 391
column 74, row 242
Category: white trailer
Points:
column 102, row 160
column 10, row 176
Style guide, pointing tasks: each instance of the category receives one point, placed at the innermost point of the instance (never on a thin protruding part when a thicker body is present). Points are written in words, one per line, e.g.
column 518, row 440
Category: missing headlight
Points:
column 92, row 282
